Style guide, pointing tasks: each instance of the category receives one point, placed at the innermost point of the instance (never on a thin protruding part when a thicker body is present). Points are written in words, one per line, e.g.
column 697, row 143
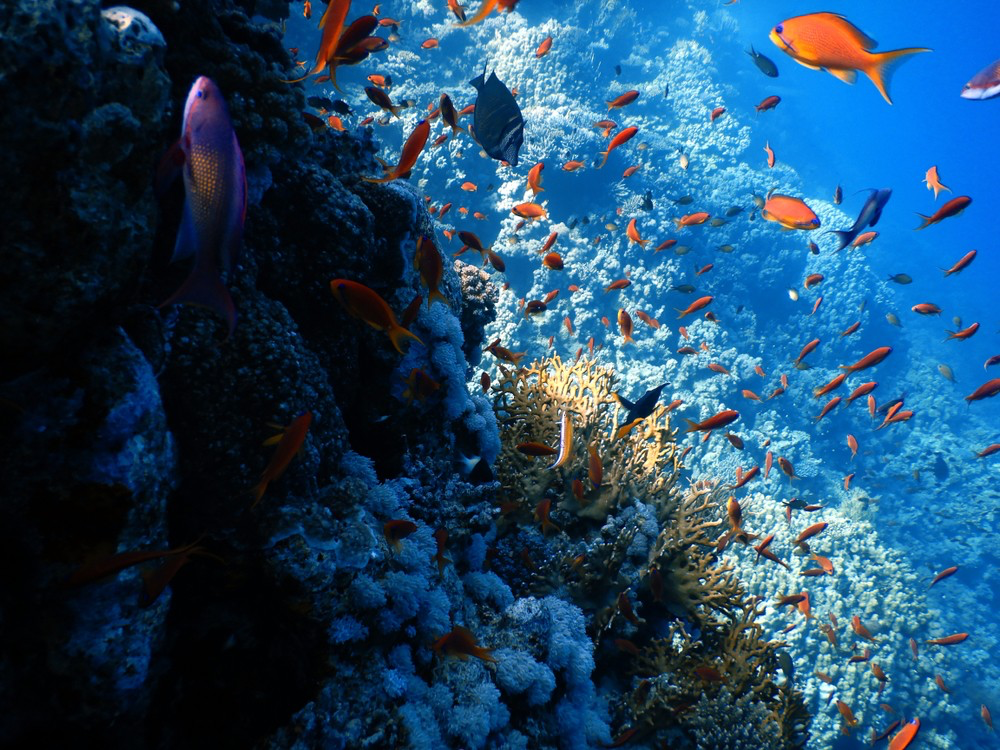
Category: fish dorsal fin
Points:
column 847, row 75
column 861, row 37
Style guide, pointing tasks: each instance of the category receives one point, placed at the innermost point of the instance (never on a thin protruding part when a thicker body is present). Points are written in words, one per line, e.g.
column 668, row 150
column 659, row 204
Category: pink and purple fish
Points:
column 215, row 204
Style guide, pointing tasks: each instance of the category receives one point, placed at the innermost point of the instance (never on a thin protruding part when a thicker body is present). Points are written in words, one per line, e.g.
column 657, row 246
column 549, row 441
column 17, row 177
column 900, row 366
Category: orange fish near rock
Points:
column 366, row 304
column 828, row 41
column 408, row 157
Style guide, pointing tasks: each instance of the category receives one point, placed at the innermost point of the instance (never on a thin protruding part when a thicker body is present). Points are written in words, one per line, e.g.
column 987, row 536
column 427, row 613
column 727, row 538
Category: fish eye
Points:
column 779, row 28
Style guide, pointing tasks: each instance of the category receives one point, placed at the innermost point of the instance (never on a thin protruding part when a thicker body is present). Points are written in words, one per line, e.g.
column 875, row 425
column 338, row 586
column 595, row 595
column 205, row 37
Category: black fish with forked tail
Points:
column 643, row 407
column 497, row 122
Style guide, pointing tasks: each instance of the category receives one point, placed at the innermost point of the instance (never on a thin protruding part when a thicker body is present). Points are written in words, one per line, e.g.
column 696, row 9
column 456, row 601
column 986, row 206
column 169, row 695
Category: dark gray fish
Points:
column 683, row 288
column 647, row 201
column 900, row 278
column 618, row 70
column 766, row 66
column 684, row 200
column 319, row 102
column 871, row 212
column 341, row 107
column 499, row 126
column 785, row 662
column 666, row 91
column 889, row 404
column 733, row 211
column 644, row 406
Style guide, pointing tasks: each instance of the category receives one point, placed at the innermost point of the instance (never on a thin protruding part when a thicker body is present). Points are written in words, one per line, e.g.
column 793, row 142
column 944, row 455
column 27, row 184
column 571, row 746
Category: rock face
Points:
column 126, row 428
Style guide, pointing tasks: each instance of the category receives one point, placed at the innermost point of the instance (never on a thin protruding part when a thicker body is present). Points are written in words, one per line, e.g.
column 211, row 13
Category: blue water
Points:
column 921, row 501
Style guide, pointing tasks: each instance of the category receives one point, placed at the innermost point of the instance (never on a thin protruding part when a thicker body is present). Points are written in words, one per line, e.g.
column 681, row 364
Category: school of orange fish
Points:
column 820, row 40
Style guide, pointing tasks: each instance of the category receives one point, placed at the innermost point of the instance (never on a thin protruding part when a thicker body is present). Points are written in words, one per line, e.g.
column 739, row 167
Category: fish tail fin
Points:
column 884, row 64
column 397, row 333
column 436, row 295
column 456, row 129
column 643, row 243
column 844, row 238
column 628, row 338
column 605, row 155
column 204, row 288
column 484, row 10
column 692, row 426
column 927, row 221
column 258, row 491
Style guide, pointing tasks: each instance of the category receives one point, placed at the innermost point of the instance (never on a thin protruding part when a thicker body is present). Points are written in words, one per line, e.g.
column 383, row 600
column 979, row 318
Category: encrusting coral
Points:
column 670, row 623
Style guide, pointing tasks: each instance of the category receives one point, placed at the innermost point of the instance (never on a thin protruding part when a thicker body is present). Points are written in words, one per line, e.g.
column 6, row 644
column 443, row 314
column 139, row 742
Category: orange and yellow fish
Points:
column 828, row 41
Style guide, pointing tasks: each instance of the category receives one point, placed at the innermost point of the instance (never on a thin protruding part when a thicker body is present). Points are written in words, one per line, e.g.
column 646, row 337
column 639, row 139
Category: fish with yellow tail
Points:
column 209, row 159
column 828, row 41
column 366, row 304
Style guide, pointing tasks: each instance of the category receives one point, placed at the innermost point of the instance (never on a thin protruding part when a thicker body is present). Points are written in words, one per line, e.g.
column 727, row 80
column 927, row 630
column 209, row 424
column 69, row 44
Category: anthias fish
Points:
column 208, row 157
column 828, row 41
column 983, row 85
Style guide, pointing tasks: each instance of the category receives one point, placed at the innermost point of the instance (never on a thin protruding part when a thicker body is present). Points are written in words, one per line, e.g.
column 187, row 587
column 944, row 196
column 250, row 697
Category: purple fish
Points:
column 215, row 205
column 985, row 84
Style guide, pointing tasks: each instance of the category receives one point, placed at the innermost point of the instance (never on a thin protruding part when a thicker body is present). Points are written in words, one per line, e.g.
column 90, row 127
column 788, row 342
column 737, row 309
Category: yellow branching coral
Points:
column 530, row 403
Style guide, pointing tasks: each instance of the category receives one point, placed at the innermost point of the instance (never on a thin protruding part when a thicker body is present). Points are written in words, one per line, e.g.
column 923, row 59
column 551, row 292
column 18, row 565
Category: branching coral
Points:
column 530, row 402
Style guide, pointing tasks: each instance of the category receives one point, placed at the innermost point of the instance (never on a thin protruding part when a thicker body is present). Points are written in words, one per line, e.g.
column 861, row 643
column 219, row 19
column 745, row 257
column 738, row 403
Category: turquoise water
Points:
column 920, row 500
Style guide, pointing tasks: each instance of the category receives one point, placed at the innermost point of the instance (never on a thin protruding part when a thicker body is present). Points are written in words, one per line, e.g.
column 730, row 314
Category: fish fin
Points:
column 605, row 155
column 692, row 426
column 204, row 288
column 484, row 10
column 168, row 169
column 397, row 333
column 844, row 238
column 623, row 401
column 883, row 64
column 807, row 65
column 927, row 221
column 436, row 295
column 847, row 75
column 187, row 241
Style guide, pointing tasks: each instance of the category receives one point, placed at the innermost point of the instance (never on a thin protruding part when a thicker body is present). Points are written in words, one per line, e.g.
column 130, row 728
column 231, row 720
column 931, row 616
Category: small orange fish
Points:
column 620, row 138
column 948, row 640
column 396, row 530
column 544, row 47
column 625, row 326
column 366, row 304
column 698, row 304
column 429, row 43
column 290, row 442
column 716, row 114
column 623, row 100
column 529, row 211
column 411, row 150
column 535, row 178
column 860, row 629
column 770, row 155
column 633, row 234
column 694, row 219
column 461, row 642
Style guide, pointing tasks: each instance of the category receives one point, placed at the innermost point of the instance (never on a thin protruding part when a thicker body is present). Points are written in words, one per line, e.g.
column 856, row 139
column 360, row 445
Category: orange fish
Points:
column 905, row 736
column 698, row 304
column 461, row 642
column 789, row 212
column 948, row 640
column 623, row 100
column 396, row 530
column 690, row 220
column 963, row 334
column 633, row 234
column 544, row 47
column 429, row 43
column 289, row 442
column 625, row 325
column 553, row 261
column 631, row 171
column 535, row 178
column 714, row 422
column 366, row 304
column 428, row 262
column 620, row 138
column 411, row 150
column 846, row 712
column 962, row 263
column 770, row 155
column 952, row 208
column 944, row 574
column 987, row 390
column 529, row 211
column 716, row 114
column 852, row 443
column 828, row 41
column 619, row 284
column 572, row 165
column 869, row 360
column 933, row 182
